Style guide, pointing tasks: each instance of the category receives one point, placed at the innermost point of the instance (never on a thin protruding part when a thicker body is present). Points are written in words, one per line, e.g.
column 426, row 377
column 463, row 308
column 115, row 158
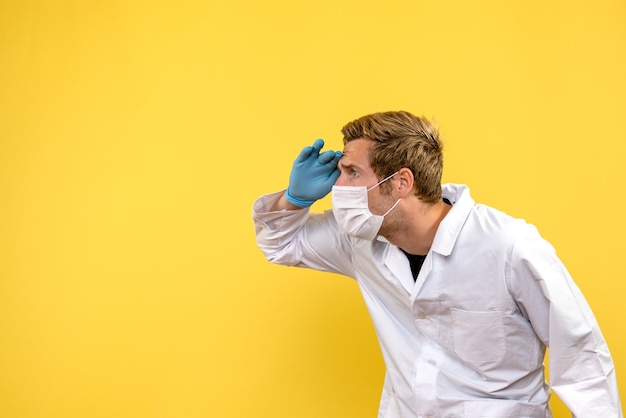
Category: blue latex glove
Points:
column 312, row 175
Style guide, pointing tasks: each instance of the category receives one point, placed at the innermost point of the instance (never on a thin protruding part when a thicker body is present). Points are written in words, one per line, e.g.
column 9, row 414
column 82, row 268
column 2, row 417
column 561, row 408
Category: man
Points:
column 464, row 298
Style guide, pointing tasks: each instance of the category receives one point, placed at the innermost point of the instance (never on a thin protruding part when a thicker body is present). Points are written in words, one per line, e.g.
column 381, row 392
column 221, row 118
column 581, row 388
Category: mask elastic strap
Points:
column 382, row 181
column 390, row 209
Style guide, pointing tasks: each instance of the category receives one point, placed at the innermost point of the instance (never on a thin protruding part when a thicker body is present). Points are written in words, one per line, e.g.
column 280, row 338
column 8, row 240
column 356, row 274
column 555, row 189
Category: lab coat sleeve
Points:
column 301, row 238
column 582, row 372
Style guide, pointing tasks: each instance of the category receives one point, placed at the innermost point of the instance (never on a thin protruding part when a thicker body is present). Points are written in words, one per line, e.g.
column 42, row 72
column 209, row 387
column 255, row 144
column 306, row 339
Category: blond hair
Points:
column 402, row 140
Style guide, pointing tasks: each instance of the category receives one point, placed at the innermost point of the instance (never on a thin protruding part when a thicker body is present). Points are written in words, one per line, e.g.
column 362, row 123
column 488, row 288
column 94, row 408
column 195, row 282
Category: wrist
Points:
column 296, row 201
column 281, row 204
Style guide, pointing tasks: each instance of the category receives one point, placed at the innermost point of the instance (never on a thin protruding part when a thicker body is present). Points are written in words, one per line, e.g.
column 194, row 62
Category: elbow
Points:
column 281, row 257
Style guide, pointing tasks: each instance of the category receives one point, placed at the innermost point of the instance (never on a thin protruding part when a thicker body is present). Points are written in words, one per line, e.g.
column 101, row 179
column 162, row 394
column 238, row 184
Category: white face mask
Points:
column 352, row 211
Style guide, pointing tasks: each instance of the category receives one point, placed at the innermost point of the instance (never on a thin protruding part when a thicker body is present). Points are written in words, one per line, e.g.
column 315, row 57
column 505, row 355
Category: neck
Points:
column 416, row 230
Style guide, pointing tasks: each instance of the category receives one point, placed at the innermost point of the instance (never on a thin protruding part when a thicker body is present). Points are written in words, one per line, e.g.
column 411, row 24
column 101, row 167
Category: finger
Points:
column 331, row 157
column 307, row 151
column 326, row 157
column 318, row 144
column 304, row 154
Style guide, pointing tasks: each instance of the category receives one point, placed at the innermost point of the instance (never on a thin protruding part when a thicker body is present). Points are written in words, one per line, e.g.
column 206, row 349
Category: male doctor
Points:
column 464, row 298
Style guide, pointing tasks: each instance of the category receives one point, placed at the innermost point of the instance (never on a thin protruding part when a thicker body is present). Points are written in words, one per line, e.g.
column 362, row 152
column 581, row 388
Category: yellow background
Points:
column 135, row 136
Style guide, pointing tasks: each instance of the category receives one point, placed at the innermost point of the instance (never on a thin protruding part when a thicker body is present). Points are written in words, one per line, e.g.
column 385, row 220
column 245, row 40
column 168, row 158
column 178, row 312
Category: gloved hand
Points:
column 313, row 175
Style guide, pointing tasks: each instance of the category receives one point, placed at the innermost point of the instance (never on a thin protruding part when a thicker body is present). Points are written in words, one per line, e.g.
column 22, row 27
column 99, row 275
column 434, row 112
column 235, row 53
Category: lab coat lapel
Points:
column 398, row 264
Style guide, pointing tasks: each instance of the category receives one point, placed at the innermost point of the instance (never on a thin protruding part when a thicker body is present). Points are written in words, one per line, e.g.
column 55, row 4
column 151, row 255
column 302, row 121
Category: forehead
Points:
column 356, row 153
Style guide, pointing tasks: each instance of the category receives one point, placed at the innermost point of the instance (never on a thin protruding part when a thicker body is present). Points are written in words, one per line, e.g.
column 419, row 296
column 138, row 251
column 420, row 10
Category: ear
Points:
column 405, row 181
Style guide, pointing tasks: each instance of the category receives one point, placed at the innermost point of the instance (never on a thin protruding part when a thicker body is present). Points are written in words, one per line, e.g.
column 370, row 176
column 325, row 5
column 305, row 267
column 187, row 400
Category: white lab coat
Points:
column 468, row 337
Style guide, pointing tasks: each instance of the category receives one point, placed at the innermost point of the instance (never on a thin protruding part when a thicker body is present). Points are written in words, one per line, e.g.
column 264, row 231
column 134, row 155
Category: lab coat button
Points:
column 432, row 362
column 420, row 315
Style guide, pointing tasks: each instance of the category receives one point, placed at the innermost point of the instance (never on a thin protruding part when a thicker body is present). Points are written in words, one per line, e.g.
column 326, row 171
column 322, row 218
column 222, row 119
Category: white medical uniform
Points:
column 468, row 337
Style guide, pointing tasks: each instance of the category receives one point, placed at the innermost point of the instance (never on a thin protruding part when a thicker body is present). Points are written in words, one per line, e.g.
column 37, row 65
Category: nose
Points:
column 341, row 180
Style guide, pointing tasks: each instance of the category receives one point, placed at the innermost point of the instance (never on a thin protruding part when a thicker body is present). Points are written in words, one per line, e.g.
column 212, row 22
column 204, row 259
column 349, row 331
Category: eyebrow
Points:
column 342, row 165
column 345, row 166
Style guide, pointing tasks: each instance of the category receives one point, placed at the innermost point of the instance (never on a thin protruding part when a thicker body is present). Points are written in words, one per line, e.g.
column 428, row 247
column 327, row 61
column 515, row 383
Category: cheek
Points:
column 376, row 204
column 380, row 204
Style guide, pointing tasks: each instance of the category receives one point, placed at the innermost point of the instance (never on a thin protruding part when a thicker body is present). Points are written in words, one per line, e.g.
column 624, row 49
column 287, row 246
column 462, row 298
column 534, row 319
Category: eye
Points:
column 354, row 173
